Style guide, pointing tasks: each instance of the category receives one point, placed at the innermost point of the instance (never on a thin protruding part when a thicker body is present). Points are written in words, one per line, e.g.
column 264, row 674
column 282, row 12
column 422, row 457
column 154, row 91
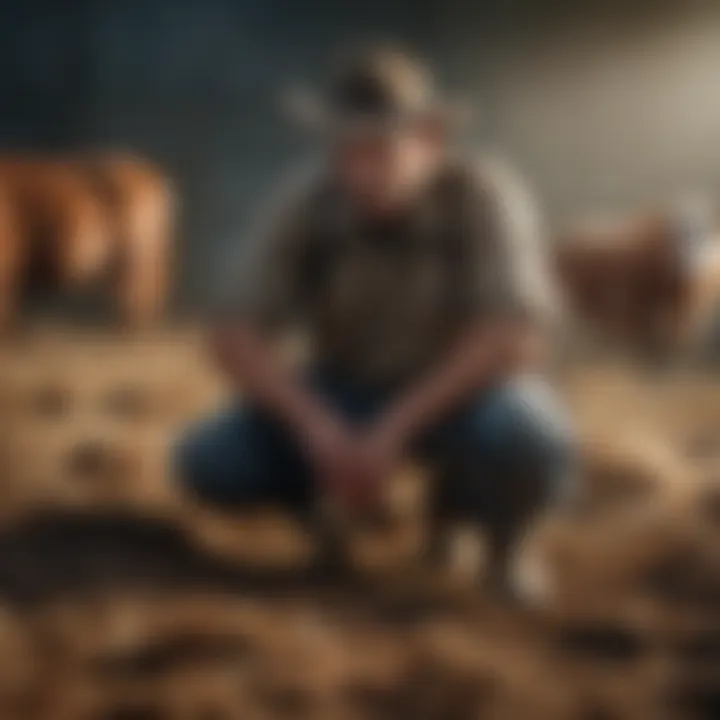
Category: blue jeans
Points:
column 499, row 457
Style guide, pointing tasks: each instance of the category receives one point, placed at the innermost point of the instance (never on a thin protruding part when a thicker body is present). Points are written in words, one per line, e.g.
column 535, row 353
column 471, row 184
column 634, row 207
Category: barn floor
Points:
column 120, row 601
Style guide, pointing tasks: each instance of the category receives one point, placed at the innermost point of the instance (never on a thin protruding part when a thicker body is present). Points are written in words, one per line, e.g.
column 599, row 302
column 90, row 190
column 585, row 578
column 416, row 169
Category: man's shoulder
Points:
column 482, row 176
column 492, row 184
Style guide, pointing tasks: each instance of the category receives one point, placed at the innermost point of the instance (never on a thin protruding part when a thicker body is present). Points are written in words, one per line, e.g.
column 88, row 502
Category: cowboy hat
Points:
column 378, row 88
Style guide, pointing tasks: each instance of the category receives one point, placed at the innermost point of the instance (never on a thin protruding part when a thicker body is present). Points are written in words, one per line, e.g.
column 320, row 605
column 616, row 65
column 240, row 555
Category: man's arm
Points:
column 248, row 359
column 484, row 354
column 510, row 296
column 331, row 449
column 267, row 294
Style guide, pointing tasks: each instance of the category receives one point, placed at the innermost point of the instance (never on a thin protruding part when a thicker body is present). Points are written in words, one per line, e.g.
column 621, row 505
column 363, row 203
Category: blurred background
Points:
column 121, row 601
column 599, row 103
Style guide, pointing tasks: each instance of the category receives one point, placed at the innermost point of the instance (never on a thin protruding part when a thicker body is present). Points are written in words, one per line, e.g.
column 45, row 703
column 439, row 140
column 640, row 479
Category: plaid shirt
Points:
column 380, row 301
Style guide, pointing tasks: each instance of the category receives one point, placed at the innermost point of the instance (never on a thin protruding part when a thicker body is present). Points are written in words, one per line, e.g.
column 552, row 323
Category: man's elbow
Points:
column 515, row 347
column 524, row 348
column 225, row 345
column 217, row 344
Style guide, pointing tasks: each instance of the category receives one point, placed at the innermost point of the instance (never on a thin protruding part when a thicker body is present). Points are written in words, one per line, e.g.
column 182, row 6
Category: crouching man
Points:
column 420, row 282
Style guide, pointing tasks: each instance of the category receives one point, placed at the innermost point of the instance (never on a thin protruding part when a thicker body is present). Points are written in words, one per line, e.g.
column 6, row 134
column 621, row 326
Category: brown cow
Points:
column 648, row 282
column 68, row 223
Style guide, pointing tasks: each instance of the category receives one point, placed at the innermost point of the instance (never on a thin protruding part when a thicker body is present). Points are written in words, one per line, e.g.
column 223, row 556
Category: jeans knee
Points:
column 204, row 465
column 526, row 437
column 528, row 413
column 542, row 463
column 189, row 463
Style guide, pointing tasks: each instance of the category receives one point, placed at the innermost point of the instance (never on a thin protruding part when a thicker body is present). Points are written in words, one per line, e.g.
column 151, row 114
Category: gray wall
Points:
column 603, row 104
column 599, row 102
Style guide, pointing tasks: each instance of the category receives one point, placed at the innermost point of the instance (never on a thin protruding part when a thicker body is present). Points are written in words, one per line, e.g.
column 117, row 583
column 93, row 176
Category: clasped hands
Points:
column 352, row 464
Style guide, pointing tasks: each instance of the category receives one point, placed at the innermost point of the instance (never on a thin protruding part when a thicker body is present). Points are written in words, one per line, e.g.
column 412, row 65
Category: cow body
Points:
column 67, row 223
column 647, row 283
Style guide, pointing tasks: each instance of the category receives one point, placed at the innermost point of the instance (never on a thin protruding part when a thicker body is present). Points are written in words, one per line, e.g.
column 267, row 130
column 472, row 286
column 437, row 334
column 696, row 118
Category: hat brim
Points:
column 308, row 109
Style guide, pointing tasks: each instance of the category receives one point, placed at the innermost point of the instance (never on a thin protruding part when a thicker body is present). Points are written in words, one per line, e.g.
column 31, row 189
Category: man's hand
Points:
column 330, row 448
column 379, row 453
column 347, row 464
column 350, row 465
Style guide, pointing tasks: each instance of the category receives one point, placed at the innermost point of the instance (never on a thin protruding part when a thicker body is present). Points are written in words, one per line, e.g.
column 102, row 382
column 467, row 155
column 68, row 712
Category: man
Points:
column 420, row 283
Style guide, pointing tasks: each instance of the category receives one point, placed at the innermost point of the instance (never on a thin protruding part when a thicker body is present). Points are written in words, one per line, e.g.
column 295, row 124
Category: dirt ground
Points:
column 120, row 601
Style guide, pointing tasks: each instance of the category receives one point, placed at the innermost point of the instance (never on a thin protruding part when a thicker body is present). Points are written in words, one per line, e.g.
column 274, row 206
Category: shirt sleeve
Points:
column 264, row 283
column 512, row 274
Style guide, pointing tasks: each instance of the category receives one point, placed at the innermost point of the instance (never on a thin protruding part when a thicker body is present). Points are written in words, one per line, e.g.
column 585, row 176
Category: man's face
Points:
column 381, row 170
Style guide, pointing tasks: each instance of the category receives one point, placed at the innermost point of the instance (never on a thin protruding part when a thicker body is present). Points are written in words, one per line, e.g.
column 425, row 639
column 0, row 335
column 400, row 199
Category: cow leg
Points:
column 83, row 243
column 144, row 275
column 10, row 266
